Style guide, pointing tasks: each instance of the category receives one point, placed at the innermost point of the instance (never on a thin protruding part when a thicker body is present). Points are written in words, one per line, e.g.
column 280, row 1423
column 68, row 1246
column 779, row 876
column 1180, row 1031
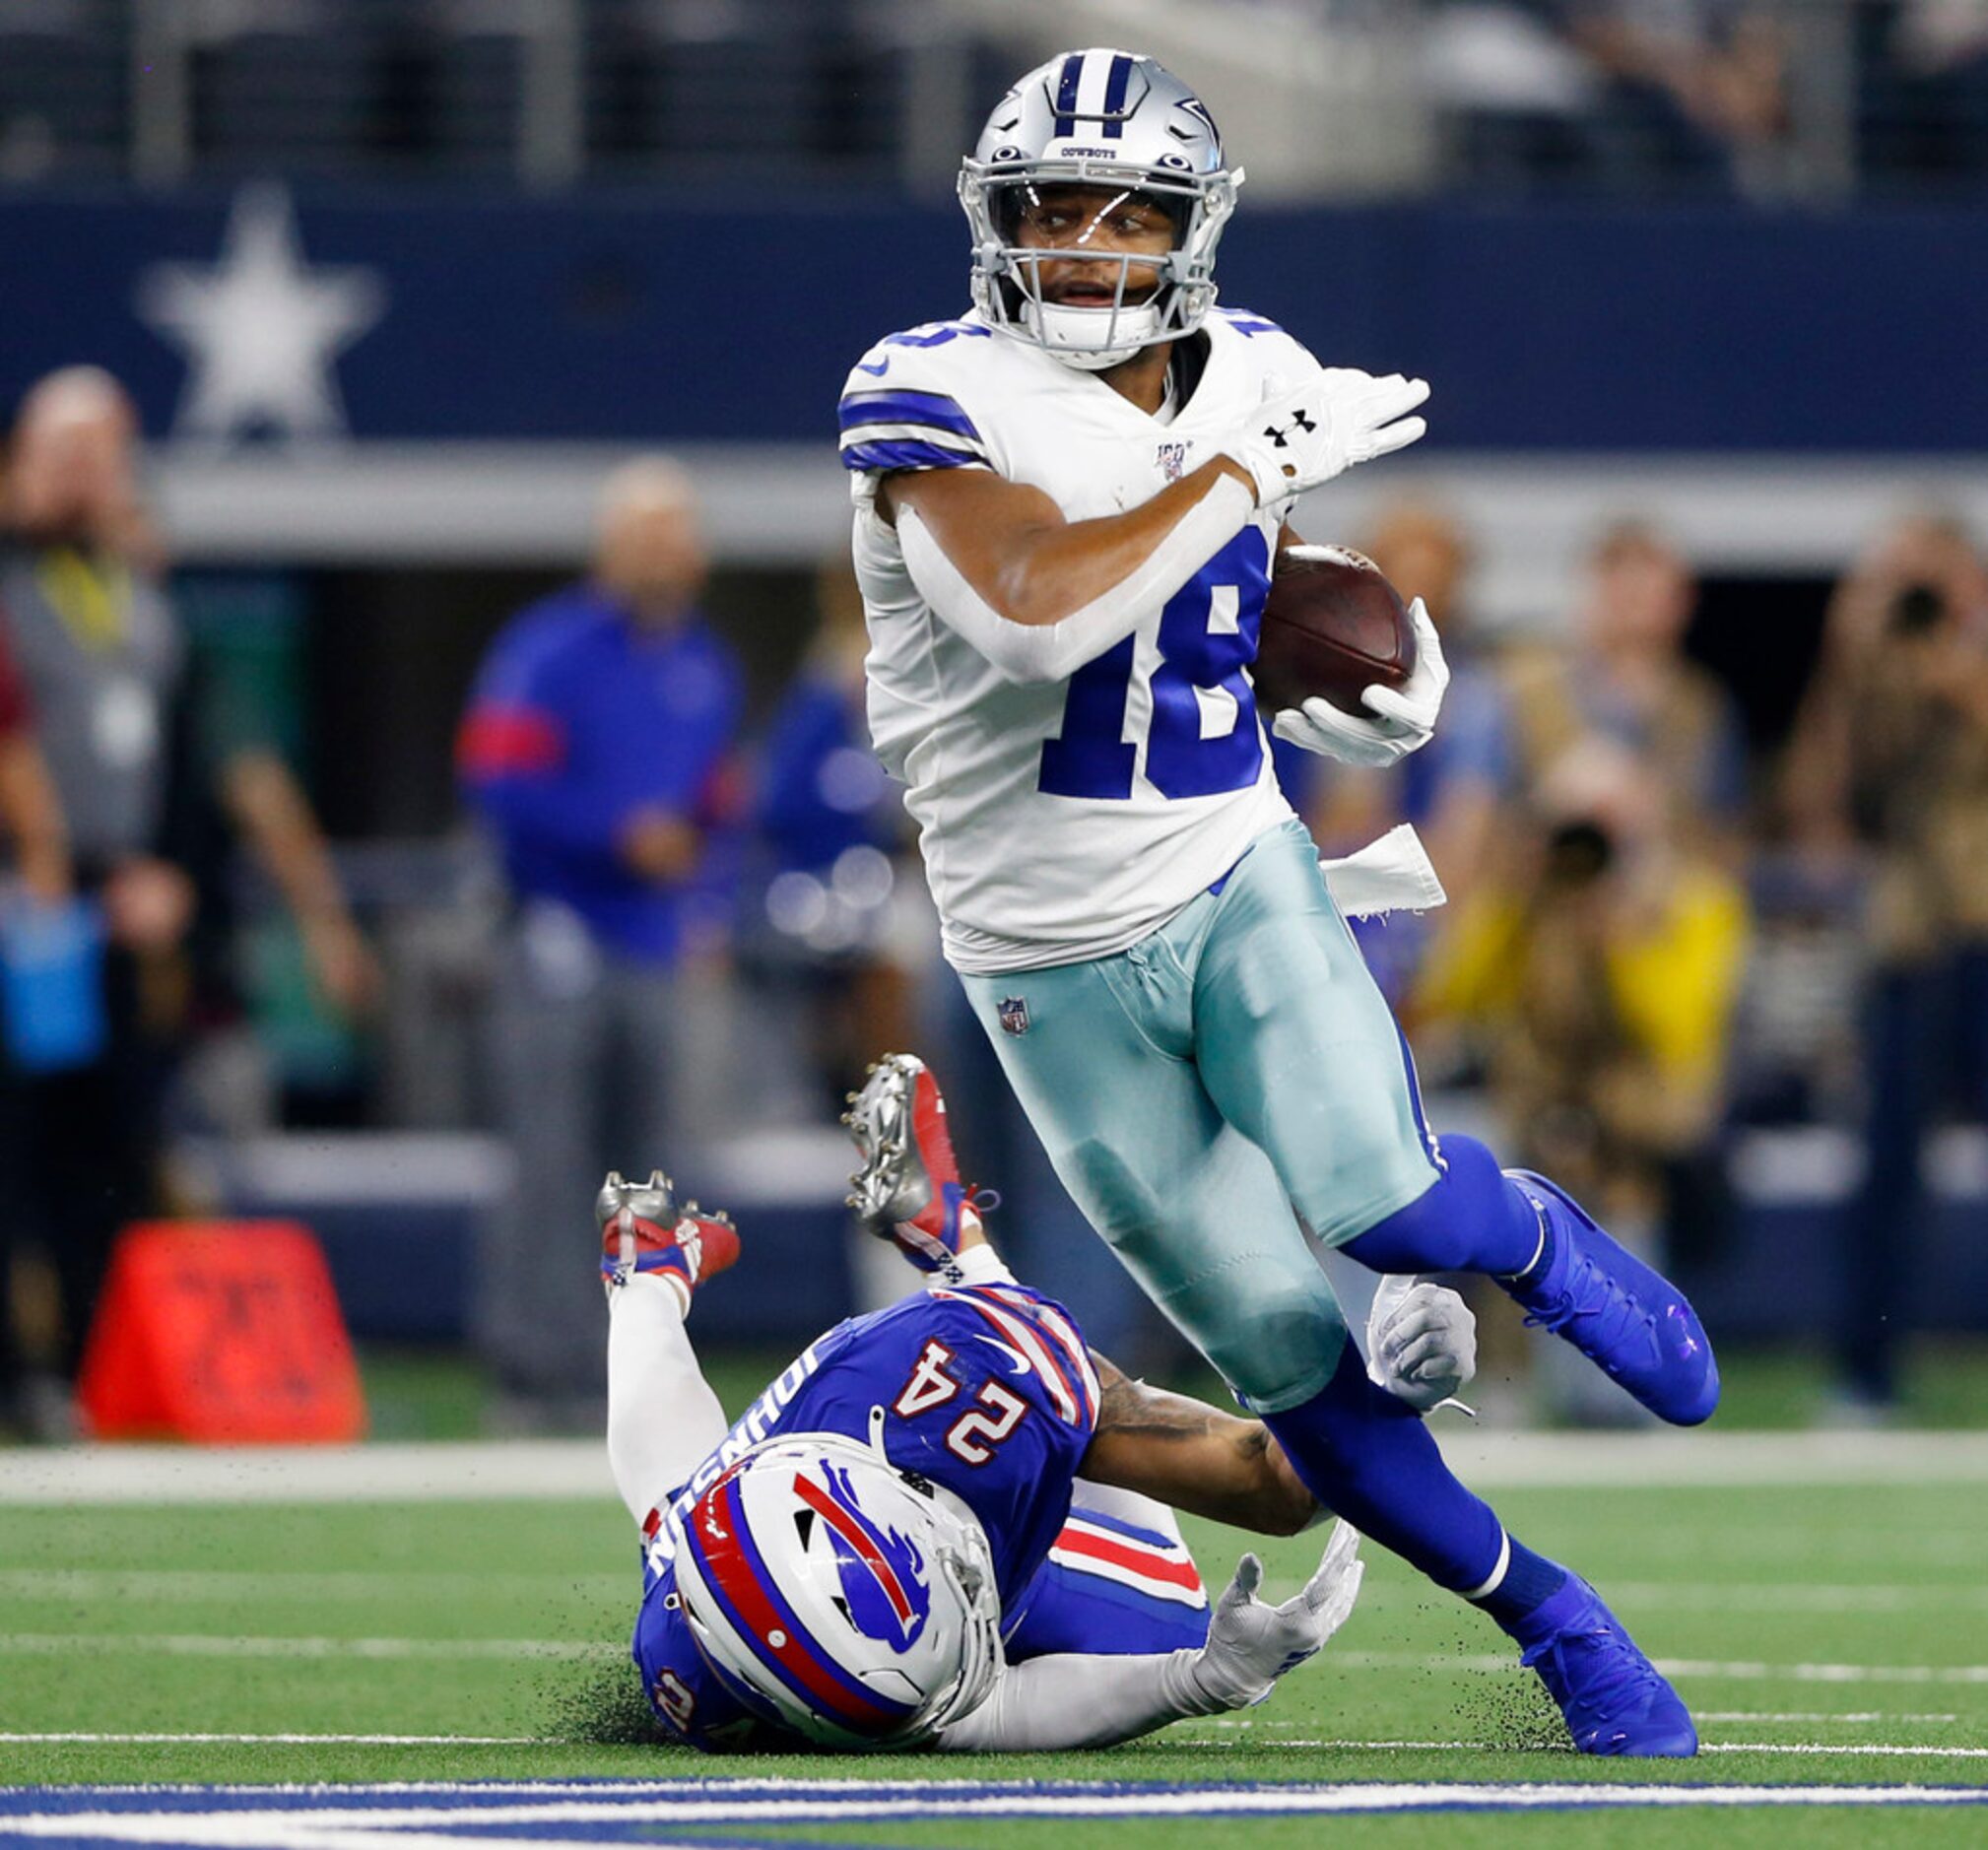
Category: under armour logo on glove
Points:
column 1299, row 422
column 1335, row 419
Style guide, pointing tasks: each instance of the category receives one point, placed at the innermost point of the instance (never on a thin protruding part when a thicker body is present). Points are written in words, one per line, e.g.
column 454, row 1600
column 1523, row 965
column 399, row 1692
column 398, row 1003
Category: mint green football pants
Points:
column 1193, row 1091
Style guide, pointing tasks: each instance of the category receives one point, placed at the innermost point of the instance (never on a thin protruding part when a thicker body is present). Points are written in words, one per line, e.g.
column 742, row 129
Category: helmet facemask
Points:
column 1156, row 297
column 1121, row 126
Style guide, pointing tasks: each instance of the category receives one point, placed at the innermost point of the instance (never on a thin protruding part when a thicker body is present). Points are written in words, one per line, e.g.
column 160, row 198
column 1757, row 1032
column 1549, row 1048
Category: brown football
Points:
column 1332, row 626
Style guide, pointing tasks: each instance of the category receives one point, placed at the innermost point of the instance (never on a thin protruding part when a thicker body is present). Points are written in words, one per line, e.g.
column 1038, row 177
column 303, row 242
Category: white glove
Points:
column 1421, row 1341
column 1339, row 416
column 1250, row 1645
column 1403, row 717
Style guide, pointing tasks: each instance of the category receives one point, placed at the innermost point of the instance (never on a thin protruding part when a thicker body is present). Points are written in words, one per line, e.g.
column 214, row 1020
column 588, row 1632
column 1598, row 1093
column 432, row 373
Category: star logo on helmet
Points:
column 1194, row 106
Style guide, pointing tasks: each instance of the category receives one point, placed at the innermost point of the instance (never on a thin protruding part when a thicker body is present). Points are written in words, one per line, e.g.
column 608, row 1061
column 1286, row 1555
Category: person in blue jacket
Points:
column 598, row 749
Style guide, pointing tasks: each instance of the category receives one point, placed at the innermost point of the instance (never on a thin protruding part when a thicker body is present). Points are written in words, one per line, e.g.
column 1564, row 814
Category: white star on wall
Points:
column 260, row 329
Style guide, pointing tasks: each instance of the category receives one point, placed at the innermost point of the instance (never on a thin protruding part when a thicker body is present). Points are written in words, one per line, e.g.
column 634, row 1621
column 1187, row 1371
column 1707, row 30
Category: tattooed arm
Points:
column 1194, row 1457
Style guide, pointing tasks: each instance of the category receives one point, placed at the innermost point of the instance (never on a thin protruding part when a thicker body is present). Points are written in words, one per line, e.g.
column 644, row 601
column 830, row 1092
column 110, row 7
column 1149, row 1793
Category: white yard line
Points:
column 1861, row 1717
column 1743, row 1669
column 200, row 1645
column 577, row 1467
column 1836, row 1749
column 1852, row 1749
column 1721, row 1596
column 292, row 1740
column 1495, row 1459
column 195, row 1585
column 217, row 1585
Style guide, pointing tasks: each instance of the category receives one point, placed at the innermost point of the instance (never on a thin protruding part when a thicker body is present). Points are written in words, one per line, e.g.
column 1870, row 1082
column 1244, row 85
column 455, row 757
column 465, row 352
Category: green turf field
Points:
column 1824, row 1635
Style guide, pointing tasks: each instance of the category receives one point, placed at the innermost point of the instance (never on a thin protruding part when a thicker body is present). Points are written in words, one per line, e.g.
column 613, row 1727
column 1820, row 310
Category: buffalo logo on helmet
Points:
column 883, row 1575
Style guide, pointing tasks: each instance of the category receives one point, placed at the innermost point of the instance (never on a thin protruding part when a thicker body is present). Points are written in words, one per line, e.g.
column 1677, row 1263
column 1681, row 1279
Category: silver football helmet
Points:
column 1099, row 118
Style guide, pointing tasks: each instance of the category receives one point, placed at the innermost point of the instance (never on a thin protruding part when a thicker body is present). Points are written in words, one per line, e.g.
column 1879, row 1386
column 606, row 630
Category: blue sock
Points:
column 1367, row 1457
column 1474, row 1219
column 1530, row 1580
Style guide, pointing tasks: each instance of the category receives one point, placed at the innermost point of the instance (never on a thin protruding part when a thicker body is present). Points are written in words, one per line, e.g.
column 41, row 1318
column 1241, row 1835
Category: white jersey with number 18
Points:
column 1065, row 820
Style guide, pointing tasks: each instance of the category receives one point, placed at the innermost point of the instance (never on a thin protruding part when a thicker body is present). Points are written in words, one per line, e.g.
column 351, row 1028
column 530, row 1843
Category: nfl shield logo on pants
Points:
column 1014, row 1013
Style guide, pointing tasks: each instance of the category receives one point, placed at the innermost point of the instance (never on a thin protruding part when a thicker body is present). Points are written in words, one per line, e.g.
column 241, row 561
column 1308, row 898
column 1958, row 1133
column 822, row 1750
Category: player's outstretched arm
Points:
column 1070, row 1700
column 1039, row 595
column 1194, row 1457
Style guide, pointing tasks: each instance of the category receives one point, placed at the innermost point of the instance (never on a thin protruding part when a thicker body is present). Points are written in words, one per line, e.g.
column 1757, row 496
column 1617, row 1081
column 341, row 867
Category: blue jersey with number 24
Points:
column 985, row 1389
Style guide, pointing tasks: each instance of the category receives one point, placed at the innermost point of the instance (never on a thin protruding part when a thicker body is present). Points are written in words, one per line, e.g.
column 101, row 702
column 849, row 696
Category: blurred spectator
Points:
column 1610, row 967
column 1797, row 1051
column 88, row 621
column 1891, row 753
column 1514, row 93
column 1450, row 791
column 1697, row 90
column 1627, row 679
column 838, row 868
column 1633, row 95
column 597, row 748
column 1455, row 788
column 1929, row 100
column 31, row 823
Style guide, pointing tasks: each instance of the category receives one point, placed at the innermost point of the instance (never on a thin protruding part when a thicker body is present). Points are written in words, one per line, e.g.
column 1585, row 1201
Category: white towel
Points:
column 1391, row 875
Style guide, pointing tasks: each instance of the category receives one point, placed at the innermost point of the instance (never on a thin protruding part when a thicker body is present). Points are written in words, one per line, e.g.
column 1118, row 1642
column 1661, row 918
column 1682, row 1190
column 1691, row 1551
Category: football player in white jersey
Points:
column 1068, row 503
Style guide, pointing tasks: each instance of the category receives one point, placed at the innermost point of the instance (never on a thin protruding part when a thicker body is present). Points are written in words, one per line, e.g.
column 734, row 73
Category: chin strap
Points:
column 1046, row 322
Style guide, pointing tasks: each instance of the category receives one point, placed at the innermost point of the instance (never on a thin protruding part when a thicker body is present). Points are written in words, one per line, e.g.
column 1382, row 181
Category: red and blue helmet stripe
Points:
column 749, row 1599
column 872, row 1561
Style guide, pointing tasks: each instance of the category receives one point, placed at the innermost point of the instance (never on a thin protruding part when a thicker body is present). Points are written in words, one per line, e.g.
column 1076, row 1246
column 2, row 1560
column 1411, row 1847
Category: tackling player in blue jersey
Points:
column 1069, row 506
column 894, row 1543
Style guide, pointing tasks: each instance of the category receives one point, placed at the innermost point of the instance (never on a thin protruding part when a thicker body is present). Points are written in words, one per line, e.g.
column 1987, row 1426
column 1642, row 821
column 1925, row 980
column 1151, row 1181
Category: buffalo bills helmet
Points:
column 1099, row 118
column 837, row 1596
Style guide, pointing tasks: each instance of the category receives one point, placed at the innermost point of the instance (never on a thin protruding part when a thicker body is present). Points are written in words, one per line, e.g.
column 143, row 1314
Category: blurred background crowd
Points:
column 431, row 757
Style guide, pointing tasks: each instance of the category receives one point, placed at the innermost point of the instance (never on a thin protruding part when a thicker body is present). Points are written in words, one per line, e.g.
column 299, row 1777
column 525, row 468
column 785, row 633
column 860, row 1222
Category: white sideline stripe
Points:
column 410, row 1472
column 577, row 1467
column 430, row 1827
column 1742, row 1671
column 311, row 1740
column 198, row 1644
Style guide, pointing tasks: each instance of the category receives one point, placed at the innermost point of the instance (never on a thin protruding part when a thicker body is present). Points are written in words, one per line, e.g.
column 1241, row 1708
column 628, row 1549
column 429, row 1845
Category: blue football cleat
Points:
column 1624, row 1316
column 1610, row 1695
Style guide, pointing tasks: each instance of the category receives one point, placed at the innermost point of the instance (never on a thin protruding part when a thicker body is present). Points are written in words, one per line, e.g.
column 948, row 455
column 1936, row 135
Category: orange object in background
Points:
column 224, row 1333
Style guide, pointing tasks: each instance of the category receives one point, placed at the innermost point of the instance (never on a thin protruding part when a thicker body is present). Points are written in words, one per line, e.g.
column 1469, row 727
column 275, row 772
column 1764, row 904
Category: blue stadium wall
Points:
column 1552, row 330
